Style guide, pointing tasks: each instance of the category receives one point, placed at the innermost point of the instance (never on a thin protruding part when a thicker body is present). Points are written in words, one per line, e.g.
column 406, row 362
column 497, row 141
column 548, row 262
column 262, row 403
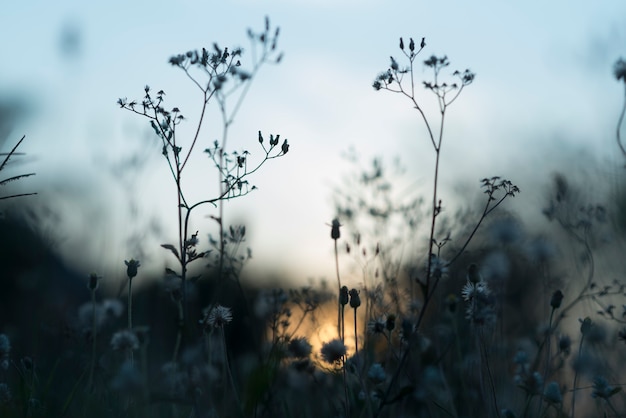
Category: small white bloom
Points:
column 377, row 373
column 124, row 340
column 217, row 317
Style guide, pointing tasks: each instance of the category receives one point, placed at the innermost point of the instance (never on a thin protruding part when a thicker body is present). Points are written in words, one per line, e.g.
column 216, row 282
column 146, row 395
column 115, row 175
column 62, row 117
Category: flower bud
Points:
column 557, row 298
column 343, row 296
column 93, row 281
column 131, row 267
column 334, row 232
column 355, row 299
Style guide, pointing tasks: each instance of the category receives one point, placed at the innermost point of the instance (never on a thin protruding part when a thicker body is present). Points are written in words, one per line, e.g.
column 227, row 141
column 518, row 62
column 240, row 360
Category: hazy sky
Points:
column 544, row 92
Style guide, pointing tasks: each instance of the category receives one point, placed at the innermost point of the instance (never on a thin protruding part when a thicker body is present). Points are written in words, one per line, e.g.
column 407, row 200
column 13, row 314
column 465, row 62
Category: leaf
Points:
column 172, row 249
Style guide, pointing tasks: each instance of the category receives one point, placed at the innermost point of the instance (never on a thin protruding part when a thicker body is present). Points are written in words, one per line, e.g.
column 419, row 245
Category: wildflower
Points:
column 602, row 389
column 113, row 308
column 472, row 290
column 565, row 344
column 438, row 267
column 552, row 393
column 585, row 325
column 376, row 326
column 355, row 300
column 217, row 316
column 557, row 298
column 5, row 349
column 377, row 373
column 619, row 69
column 5, row 393
column 94, row 279
column 124, row 340
column 343, row 296
column 299, row 347
column 131, row 267
column 333, row 351
column 334, row 232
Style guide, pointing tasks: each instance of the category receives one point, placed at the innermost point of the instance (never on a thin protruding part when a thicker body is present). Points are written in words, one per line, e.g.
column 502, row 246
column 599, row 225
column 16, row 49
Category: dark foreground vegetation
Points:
column 485, row 317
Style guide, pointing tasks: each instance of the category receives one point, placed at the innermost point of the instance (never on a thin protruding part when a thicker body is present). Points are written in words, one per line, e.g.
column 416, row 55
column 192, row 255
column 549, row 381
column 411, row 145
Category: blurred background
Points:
column 544, row 101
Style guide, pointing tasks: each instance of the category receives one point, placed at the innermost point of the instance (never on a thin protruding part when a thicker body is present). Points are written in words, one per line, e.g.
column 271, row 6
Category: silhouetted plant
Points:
column 8, row 180
column 619, row 69
column 220, row 77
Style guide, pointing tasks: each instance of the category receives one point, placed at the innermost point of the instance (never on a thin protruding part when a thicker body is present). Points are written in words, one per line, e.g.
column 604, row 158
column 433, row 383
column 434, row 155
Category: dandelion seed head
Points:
column 474, row 290
column 217, row 316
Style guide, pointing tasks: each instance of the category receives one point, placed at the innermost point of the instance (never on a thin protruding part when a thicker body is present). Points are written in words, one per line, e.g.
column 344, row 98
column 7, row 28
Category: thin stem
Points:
column 619, row 124
column 547, row 368
column 580, row 350
column 339, row 310
column 130, row 314
column 229, row 373
column 93, row 337
column 356, row 337
column 489, row 374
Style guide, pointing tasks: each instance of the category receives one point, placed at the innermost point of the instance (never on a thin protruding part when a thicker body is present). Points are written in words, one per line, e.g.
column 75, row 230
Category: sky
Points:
column 544, row 99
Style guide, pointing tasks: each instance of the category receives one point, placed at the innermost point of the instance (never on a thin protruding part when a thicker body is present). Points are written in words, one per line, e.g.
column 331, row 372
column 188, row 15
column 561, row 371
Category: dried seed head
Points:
column 343, row 295
column 131, row 267
column 93, row 281
column 299, row 347
column 217, row 317
column 333, row 351
column 557, row 298
column 334, row 232
column 355, row 300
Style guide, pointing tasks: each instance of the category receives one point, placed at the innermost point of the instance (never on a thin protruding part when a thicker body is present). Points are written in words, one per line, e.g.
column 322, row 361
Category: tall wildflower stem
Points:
column 93, row 337
column 335, row 234
column 485, row 357
column 585, row 326
column 619, row 70
column 228, row 372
